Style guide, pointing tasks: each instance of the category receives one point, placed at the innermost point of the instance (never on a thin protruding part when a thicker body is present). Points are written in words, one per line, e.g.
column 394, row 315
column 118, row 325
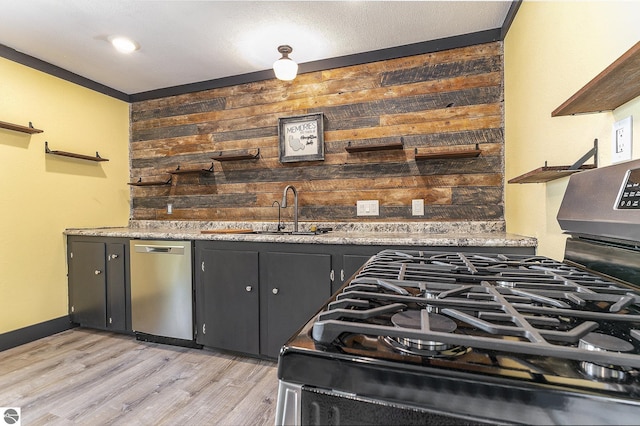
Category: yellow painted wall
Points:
column 41, row 195
column 551, row 51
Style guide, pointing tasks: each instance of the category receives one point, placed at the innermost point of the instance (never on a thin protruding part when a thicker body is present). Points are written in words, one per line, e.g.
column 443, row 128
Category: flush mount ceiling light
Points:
column 285, row 68
column 123, row 44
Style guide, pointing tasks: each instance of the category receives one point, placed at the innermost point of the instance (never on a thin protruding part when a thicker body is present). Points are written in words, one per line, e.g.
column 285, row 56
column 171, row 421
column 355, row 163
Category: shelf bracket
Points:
column 139, row 182
column 593, row 152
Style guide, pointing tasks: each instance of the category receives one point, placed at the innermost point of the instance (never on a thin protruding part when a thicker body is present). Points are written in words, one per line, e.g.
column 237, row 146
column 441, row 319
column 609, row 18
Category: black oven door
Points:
column 323, row 407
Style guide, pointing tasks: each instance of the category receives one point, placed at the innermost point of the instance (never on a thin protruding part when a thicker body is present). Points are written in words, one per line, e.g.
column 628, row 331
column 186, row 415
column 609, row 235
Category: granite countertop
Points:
column 469, row 234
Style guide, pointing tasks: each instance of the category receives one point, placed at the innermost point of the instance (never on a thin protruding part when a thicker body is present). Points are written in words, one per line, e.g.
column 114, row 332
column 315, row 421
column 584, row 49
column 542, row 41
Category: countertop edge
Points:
column 492, row 237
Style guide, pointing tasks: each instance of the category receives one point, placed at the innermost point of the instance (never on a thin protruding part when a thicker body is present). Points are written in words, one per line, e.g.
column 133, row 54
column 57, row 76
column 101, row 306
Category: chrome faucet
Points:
column 295, row 204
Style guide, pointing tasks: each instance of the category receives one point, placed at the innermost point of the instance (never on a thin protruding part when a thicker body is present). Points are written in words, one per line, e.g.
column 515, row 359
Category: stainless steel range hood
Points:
column 603, row 202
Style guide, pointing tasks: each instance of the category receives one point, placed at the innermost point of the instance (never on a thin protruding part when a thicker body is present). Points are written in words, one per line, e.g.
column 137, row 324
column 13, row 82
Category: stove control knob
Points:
column 274, row 291
column 248, row 288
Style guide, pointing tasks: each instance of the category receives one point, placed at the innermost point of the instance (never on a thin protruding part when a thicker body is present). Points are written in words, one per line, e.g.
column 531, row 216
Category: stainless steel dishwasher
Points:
column 162, row 291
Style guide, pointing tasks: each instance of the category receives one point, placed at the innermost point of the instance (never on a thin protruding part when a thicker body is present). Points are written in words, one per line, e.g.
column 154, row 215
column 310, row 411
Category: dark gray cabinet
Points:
column 87, row 284
column 98, row 284
column 350, row 265
column 227, row 287
column 294, row 287
column 252, row 297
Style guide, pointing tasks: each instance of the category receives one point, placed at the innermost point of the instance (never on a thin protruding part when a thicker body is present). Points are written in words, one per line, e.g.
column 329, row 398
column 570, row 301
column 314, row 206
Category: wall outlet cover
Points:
column 367, row 208
column 417, row 207
column 622, row 140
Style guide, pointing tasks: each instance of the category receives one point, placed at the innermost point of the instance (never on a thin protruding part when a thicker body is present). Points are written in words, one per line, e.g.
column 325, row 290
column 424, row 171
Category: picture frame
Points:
column 301, row 138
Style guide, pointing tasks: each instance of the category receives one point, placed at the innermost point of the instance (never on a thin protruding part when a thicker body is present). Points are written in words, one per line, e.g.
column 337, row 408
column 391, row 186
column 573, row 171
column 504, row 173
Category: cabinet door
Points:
column 87, row 281
column 116, row 287
column 228, row 300
column 351, row 263
column 296, row 286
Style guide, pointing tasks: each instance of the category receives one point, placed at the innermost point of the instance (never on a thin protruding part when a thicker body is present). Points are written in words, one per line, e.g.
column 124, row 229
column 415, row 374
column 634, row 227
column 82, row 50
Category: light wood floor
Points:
column 88, row 377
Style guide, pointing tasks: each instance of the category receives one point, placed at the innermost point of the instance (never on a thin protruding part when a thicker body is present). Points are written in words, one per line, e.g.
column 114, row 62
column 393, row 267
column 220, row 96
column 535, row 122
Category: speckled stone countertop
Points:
column 467, row 234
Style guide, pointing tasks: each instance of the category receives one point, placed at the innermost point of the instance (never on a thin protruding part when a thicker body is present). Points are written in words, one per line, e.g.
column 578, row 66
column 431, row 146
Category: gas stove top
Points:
column 444, row 305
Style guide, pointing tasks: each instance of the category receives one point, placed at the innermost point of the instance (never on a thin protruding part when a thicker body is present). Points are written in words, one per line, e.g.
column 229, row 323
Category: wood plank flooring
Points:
column 88, row 377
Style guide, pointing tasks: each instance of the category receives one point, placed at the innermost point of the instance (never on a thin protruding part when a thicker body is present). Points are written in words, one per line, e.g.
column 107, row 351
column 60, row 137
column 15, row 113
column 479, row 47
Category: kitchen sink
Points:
column 320, row 231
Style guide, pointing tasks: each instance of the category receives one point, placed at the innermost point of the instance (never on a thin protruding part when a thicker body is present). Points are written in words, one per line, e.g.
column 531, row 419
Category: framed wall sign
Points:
column 301, row 138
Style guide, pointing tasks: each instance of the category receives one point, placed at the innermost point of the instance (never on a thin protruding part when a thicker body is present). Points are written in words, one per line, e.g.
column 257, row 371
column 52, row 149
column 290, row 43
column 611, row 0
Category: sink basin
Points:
column 319, row 232
column 273, row 232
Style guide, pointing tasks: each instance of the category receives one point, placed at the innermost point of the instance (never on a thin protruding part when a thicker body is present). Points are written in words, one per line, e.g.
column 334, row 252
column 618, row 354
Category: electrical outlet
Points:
column 417, row 207
column 169, row 208
column 368, row 208
column 622, row 140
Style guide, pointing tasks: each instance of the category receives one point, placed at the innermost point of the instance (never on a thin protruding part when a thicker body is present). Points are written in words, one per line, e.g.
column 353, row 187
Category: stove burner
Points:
column 605, row 343
column 413, row 320
column 430, row 307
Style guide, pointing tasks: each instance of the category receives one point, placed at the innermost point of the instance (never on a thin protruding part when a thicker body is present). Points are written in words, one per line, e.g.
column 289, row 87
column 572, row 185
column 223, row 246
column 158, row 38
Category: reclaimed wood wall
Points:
column 448, row 100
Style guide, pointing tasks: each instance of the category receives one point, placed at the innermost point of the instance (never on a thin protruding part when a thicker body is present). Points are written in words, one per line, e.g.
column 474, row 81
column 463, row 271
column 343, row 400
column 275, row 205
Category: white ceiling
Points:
column 184, row 42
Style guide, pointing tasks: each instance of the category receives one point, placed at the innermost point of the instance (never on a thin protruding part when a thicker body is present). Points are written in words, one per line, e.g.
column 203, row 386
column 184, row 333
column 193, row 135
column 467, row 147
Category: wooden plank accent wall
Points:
column 444, row 100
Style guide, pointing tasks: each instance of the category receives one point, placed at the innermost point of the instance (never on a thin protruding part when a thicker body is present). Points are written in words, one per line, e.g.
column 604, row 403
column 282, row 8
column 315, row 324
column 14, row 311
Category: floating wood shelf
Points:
column 374, row 147
column 616, row 85
column 73, row 155
column 236, row 155
column 18, row 128
column 151, row 182
column 549, row 173
column 450, row 153
column 179, row 171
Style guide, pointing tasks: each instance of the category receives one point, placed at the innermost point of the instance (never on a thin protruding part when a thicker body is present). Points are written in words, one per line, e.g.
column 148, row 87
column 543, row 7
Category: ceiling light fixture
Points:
column 123, row 44
column 285, row 68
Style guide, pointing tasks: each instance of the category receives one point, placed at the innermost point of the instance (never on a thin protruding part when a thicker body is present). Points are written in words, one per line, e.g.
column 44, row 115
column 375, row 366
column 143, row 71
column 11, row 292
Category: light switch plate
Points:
column 622, row 140
column 368, row 208
column 417, row 207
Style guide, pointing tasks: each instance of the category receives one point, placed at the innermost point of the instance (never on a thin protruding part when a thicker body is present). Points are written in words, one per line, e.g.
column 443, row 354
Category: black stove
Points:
column 428, row 337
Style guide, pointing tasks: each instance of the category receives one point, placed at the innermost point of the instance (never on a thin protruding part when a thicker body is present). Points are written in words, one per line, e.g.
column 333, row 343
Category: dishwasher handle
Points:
column 149, row 248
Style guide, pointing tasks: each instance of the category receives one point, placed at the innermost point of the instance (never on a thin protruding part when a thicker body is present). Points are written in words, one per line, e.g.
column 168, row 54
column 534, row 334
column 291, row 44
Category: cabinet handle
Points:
column 332, row 275
column 204, row 328
column 97, row 272
column 114, row 256
column 248, row 288
column 341, row 275
column 274, row 291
